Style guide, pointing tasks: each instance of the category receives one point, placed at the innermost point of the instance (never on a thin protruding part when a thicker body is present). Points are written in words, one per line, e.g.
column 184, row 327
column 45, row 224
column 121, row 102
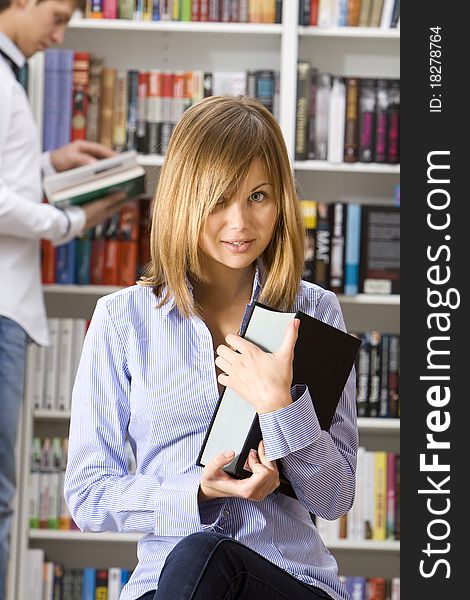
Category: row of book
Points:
column 346, row 119
column 114, row 252
column 47, row 507
column 224, row 11
column 50, row 370
column 350, row 13
column 375, row 514
column 372, row 588
column 352, row 248
column 50, row 580
column 133, row 109
column 378, row 375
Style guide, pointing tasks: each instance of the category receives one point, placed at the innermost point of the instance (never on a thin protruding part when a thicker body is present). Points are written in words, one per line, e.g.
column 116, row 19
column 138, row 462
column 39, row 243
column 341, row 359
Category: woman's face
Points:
column 240, row 228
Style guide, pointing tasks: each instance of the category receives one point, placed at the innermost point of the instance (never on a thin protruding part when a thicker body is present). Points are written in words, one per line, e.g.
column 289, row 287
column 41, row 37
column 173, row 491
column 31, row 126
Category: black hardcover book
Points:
column 323, row 359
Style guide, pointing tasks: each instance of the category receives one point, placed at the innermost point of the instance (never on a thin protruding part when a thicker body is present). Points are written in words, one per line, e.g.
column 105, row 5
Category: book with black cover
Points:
column 323, row 359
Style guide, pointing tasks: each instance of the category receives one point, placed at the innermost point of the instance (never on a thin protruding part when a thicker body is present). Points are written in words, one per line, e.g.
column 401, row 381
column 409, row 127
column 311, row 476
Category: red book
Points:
column 195, row 9
column 81, row 77
column 128, row 243
column 110, row 9
column 47, row 261
column 314, row 12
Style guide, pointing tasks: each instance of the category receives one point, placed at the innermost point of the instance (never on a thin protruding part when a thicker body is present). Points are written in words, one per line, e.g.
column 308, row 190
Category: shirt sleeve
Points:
column 28, row 218
column 99, row 491
column 321, row 465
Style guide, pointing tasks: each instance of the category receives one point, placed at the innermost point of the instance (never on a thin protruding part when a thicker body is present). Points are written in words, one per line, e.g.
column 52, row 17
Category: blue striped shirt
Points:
column 149, row 374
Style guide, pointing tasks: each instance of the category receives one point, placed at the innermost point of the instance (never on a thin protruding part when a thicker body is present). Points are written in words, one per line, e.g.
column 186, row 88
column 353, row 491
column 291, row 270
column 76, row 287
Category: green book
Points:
column 90, row 182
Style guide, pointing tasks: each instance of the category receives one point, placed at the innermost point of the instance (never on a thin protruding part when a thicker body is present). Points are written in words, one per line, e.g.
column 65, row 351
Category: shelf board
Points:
column 101, row 290
column 133, row 538
column 370, row 33
column 380, row 425
column 79, row 536
column 364, row 545
column 357, row 167
column 156, row 160
column 386, row 299
column 86, row 290
column 175, row 26
column 364, row 423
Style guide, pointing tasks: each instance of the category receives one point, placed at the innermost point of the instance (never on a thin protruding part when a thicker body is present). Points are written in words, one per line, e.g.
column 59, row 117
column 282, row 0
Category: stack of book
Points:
column 354, row 13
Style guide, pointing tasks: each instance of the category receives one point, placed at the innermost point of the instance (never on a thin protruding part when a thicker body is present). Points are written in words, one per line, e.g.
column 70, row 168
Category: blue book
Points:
column 66, row 263
column 64, row 124
column 84, row 258
column 125, row 574
column 51, row 99
column 352, row 249
column 89, row 583
column 356, row 587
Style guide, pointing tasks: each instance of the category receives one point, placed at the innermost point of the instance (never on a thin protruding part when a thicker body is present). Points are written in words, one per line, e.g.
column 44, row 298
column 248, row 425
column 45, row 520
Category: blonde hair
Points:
column 209, row 154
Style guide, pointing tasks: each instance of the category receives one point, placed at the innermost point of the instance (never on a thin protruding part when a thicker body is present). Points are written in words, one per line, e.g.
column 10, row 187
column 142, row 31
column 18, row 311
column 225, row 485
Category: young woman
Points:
column 226, row 231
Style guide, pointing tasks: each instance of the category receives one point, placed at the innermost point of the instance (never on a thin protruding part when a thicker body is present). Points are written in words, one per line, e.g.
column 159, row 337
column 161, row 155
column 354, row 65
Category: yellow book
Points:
column 379, row 526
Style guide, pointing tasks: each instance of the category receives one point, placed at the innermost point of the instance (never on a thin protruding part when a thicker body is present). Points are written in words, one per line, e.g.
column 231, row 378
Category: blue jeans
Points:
column 211, row 566
column 13, row 341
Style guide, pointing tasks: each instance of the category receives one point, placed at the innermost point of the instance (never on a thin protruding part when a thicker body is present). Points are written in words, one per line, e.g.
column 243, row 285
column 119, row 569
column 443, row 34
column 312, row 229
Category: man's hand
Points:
column 262, row 378
column 99, row 210
column 78, row 153
column 216, row 483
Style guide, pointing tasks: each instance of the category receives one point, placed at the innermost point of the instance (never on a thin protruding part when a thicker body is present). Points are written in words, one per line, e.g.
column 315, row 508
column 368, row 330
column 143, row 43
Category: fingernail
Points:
column 229, row 453
column 253, row 453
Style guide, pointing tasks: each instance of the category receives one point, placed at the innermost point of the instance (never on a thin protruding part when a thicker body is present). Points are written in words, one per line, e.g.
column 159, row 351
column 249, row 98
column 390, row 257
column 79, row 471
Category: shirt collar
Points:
column 10, row 49
column 255, row 291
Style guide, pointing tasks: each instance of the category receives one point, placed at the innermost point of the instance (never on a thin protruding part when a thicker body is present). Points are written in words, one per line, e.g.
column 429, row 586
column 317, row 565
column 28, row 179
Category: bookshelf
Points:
column 372, row 52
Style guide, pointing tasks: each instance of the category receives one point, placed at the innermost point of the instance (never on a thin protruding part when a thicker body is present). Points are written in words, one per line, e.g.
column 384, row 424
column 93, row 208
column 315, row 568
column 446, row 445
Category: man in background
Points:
column 28, row 26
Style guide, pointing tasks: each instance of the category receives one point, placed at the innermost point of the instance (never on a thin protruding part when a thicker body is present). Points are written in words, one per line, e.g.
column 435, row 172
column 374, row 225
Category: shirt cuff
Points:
column 47, row 167
column 74, row 224
column 177, row 506
column 290, row 428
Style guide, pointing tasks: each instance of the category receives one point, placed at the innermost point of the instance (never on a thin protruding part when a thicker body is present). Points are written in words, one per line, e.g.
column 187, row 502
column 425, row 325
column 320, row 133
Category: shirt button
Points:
column 226, row 513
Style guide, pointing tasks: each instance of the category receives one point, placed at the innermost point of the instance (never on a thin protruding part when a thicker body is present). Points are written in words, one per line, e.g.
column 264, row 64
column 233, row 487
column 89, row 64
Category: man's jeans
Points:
column 13, row 342
column 210, row 566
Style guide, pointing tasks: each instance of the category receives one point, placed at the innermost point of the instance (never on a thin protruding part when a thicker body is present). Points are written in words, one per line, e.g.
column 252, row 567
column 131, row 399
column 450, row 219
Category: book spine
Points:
column 363, row 370
column 374, row 374
column 154, row 112
column 351, row 133
column 93, row 116
column 367, row 101
column 312, row 108
column 89, row 583
column 64, row 125
column 48, row 261
column 336, row 121
column 51, row 99
column 65, row 381
column 119, row 135
column 52, row 357
column 321, row 117
column 101, row 589
column 111, row 251
column 34, row 488
column 384, row 370
column 352, row 249
column 391, row 496
column 141, row 119
column 322, row 246
column 393, row 123
column 66, row 263
column 302, row 109
column 338, row 218
column 380, row 493
column 353, row 12
column 394, row 376
column 309, row 212
column 264, row 85
column 107, row 104
column 132, row 95
column 381, row 112
column 364, row 13
column 167, row 101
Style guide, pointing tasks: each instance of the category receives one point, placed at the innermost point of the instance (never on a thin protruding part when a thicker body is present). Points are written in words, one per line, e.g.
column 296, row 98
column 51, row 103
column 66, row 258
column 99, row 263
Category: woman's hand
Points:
column 216, row 483
column 262, row 378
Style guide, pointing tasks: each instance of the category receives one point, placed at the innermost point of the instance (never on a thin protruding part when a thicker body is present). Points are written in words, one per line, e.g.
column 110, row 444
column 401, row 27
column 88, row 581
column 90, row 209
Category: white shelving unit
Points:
column 220, row 46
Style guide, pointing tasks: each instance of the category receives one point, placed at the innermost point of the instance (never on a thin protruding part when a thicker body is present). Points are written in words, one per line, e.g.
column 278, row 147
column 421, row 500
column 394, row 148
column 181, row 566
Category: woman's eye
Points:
column 257, row 196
